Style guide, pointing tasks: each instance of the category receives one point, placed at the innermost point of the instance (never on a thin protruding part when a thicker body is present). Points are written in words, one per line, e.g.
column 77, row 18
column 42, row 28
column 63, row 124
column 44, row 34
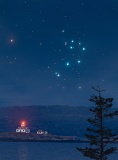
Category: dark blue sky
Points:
column 53, row 51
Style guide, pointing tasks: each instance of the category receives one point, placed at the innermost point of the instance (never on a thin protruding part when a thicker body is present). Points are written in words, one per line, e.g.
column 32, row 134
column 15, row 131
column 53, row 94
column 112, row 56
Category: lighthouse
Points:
column 23, row 128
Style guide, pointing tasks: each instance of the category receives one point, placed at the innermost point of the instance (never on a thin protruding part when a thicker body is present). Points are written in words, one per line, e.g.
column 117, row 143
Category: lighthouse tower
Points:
column 23, row 128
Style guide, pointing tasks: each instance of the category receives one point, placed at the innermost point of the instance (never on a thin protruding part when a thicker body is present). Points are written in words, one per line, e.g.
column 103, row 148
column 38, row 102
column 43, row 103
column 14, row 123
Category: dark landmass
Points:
column 33, row 137
column 57, row 120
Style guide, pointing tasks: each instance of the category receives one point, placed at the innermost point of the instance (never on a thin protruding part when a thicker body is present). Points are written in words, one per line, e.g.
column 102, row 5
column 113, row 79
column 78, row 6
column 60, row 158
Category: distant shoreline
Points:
column 33, row 137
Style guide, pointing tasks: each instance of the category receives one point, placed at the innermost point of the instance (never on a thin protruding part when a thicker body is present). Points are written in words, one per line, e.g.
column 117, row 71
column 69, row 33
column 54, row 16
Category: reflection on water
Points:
column 23, row 152
column 43, row 151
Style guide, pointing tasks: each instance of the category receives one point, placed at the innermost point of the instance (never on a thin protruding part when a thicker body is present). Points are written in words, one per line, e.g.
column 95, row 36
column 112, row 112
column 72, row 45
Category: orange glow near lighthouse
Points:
column 23, row 124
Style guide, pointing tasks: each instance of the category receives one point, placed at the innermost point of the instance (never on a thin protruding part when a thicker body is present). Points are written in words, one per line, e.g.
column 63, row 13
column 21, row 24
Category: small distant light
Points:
column 11, row 40
column 23, row 124
column 79, row 61
column 65, row 43
column 72, row 41
column 83, row 48
column 80, row 87
column 71, row 47
column 57, row 74
column 79, row 43
column 67, row 63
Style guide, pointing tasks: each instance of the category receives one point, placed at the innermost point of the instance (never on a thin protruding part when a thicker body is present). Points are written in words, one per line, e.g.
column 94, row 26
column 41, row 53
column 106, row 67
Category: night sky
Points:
column 53, row 51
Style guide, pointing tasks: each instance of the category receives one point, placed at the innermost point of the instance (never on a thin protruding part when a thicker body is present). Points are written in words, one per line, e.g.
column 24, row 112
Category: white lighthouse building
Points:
column 23, row 128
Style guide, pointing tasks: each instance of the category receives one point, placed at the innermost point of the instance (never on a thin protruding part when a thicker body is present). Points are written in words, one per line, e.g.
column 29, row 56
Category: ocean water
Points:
column 43, row 151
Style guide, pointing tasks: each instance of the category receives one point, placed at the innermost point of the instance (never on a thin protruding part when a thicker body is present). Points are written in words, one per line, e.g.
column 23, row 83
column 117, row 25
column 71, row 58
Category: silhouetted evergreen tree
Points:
column 99, row 135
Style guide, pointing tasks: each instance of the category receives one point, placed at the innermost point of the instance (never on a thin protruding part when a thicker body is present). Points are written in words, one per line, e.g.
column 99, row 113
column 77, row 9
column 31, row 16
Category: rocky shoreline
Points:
column 33, row 137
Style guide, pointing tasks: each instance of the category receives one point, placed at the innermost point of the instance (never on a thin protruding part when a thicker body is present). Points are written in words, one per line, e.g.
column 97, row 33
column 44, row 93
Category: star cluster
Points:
column 72, row 61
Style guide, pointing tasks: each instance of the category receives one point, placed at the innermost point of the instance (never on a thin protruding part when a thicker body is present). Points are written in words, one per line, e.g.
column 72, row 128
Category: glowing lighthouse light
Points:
column 23, row 124
column 23, row 128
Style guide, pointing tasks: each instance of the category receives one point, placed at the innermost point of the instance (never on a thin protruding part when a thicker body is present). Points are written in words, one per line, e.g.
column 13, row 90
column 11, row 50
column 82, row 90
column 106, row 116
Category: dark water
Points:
column 43, row 151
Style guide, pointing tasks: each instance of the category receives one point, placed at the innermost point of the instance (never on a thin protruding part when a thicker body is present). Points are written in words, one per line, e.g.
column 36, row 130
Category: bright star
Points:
column 67, row 63
column 72, row 41
column 58, row 75
column 79, row 61
column 11, row 40
column 83, row 48
column 71, row 47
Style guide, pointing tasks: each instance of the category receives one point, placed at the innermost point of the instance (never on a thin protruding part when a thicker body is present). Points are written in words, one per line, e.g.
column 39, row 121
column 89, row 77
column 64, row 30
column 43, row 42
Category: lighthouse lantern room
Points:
column 23, row 128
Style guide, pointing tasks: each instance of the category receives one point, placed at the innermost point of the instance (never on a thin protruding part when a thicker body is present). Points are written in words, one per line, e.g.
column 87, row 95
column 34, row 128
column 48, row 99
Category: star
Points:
column 11, row 40
column 83, row 48
column 78, row 61
column 67, row 64
column 57, row 74
column 80, row 87
column 71, row 47
column 65, row 43
column 63, row 31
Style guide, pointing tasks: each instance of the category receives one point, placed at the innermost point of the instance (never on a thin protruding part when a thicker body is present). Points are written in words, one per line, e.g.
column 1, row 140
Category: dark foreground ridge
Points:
column 33, row 137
